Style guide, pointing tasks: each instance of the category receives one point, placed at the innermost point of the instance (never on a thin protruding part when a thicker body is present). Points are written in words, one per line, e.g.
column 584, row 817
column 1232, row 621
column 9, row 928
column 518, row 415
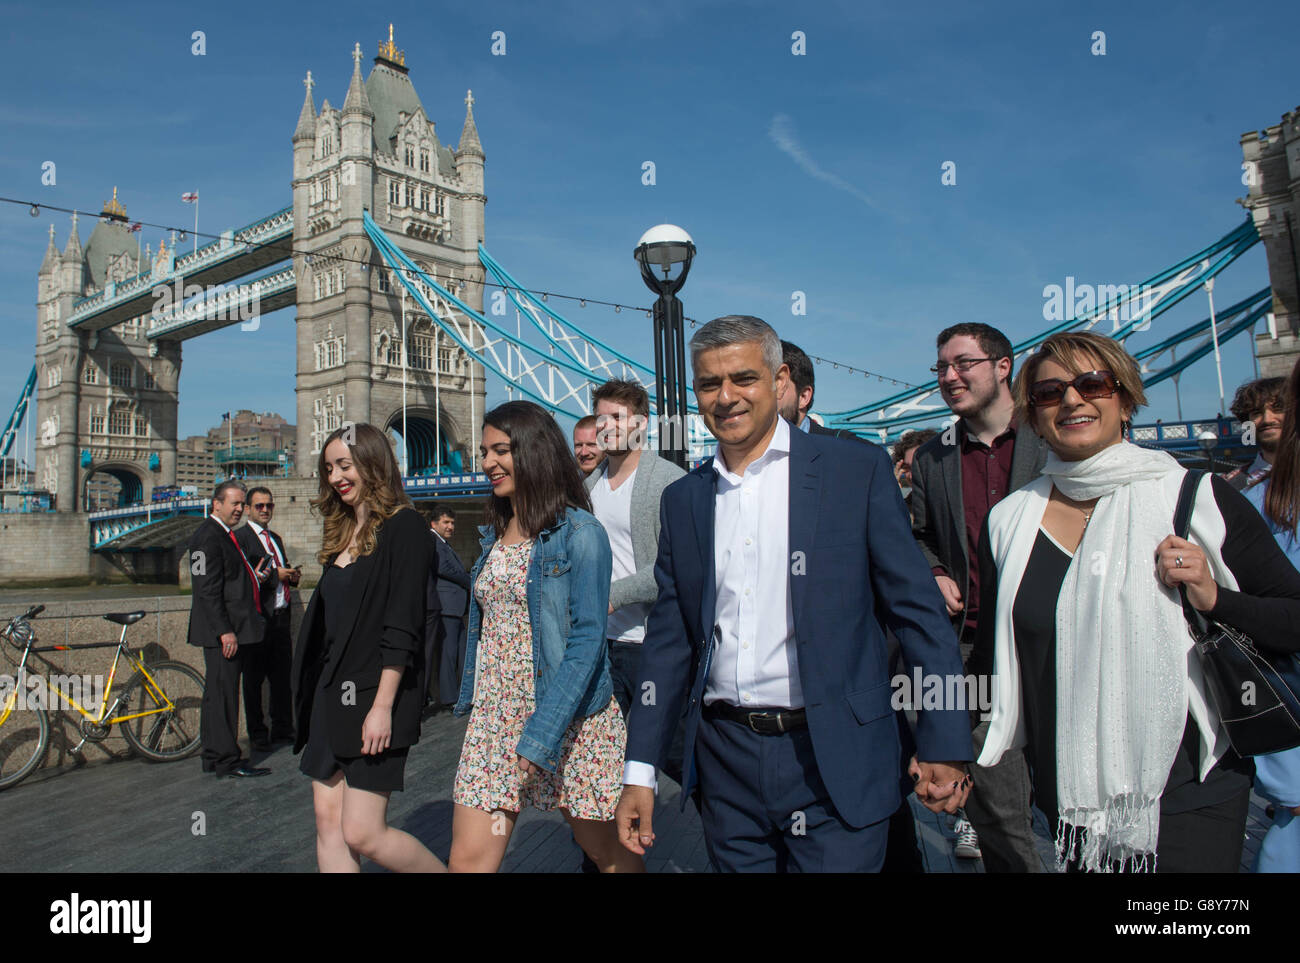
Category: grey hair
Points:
column 739, row 329
column 219, row 494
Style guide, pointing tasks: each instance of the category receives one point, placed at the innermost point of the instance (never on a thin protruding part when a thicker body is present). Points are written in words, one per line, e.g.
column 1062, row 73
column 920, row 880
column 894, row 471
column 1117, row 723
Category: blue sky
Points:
column 817, row 173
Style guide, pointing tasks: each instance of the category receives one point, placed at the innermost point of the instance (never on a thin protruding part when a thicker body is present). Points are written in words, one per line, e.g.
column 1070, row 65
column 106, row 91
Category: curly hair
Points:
column 1282, row 500
column 381, row 491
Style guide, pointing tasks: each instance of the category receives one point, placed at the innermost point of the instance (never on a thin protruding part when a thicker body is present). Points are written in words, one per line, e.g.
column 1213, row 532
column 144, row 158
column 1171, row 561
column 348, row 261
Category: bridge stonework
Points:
column 1271, row 160
column 381, row 154
column 106, row 400
column 107, row 389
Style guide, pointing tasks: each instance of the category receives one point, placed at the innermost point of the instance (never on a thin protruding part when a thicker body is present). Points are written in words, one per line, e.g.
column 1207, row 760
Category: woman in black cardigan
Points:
column 357, row 666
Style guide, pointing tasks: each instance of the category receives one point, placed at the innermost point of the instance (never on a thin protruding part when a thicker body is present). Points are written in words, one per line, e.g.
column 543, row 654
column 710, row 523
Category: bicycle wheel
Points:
column 172, row 733
column 24, row 736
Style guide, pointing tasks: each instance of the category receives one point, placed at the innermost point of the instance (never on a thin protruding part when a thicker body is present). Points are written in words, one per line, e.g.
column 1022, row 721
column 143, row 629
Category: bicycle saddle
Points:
column 124, row 618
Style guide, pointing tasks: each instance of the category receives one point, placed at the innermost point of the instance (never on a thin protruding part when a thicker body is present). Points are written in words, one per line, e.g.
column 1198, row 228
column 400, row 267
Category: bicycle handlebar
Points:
column 34, row 611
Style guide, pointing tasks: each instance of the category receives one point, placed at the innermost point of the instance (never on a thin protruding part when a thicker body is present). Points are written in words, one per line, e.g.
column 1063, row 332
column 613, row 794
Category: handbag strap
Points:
column 1182, row 524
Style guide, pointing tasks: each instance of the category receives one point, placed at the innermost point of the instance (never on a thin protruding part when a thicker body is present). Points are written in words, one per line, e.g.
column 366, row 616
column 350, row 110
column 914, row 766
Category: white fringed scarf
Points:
column 1121, row 661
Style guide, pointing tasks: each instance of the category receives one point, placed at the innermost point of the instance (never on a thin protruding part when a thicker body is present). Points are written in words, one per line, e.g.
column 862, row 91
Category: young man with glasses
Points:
column 956, row 478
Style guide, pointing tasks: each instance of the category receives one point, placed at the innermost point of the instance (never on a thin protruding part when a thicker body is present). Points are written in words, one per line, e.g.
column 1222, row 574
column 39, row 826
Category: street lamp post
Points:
column 1206, row 441
column 663, row 247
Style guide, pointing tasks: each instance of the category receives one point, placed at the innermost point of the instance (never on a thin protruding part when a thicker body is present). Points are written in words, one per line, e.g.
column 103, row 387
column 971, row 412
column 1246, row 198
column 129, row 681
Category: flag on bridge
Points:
column 190, row 197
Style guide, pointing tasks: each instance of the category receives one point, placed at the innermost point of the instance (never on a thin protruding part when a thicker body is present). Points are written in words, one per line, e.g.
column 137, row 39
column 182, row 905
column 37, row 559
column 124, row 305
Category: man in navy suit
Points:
column 774, row 558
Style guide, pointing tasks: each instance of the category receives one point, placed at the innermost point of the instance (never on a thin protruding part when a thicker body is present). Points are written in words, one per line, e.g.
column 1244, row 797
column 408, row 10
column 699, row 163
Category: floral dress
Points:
column 589, row 778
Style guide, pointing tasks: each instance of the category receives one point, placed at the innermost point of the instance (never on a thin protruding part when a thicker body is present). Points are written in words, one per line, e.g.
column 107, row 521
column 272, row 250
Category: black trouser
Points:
column 451, row 659
column 219, row 722
column 1204, row 840
column 271, row 659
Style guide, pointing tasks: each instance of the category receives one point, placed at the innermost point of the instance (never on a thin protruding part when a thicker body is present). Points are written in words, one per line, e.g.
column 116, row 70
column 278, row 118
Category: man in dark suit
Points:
column 956, row 478
column 271, row 660
column 902, row 853
column 446, row 605
column 772, row 557
column 226, row 620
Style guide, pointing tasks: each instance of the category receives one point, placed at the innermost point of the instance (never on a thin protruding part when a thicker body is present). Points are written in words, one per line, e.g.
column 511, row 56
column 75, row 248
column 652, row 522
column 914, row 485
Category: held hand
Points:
column 261, row 571
column 376, row 731
column 941, row 786
column 1178, row 561
column 634, row 818
column 527, row 767
column 229, row 644
column 950, row 592
column 284, row 574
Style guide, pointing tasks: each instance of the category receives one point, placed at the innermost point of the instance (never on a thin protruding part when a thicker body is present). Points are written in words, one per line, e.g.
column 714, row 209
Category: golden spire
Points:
column 114, row 206
column 388, row 51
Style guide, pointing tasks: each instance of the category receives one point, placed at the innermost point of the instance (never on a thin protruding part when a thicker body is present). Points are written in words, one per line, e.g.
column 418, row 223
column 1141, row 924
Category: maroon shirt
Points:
column 985, row 481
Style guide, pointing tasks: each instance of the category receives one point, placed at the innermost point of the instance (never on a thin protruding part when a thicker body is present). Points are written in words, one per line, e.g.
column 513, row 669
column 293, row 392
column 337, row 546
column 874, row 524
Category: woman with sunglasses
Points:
column 544, row 729
column 1092, row 659
column 1277, row 775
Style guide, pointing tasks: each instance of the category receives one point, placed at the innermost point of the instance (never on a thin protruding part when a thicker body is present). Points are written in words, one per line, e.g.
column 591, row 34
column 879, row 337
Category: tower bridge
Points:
column 111, row 319
column 382, row 253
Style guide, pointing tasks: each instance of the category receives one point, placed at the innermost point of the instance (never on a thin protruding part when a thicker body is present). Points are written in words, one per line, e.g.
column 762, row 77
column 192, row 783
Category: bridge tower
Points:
column 381, row 154
column 1272, row 164
column 106, row 400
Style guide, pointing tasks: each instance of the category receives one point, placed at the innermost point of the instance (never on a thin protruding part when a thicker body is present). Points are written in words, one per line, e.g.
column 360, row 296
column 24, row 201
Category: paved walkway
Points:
column 134, row 816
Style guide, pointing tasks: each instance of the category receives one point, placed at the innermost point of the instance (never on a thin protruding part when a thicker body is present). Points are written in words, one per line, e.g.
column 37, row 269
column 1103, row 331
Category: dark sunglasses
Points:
column 1090, row 385
column 264, row 505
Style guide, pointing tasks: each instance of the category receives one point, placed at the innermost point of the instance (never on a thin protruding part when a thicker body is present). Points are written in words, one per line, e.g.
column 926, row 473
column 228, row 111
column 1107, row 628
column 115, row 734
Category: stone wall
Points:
column 48, row 546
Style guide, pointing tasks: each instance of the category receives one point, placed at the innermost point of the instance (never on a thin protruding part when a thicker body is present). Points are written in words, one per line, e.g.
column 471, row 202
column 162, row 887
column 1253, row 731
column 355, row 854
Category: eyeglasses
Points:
column 1090, row 385
column 263, row 505
column 963, row 365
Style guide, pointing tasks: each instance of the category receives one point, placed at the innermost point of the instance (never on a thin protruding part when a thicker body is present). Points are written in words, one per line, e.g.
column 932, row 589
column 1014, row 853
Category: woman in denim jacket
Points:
column 544, row 727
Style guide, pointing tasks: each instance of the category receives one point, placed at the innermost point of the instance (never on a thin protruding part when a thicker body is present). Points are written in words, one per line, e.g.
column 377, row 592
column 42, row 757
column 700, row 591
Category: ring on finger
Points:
column 1178, row 561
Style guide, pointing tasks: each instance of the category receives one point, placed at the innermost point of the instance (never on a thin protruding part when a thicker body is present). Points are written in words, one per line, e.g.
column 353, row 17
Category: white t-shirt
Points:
column 613, row 509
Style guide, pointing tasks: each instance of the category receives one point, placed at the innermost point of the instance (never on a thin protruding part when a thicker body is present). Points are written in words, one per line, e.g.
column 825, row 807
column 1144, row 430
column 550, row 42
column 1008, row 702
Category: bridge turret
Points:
column 50, row 265
column 1271, row 161
column 469, row 165
column 72, row 278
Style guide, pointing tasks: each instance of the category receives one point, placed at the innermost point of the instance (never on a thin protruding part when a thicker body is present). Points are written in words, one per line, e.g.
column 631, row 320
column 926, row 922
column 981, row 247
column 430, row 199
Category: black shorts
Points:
column 381, row 773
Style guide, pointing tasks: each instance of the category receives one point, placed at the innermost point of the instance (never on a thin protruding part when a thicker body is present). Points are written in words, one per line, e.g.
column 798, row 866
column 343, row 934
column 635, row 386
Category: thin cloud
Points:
column 781, row 130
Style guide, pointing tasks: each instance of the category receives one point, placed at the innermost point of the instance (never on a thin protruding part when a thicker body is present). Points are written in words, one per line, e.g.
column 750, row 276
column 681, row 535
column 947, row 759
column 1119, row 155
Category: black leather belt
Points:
column 768, row 722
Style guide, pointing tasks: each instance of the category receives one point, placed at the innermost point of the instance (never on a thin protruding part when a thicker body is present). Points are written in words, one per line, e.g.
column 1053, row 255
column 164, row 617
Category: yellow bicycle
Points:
column 158, row 709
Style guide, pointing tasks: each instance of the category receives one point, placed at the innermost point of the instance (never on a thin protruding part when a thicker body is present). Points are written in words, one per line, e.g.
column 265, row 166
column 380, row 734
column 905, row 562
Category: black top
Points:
column 340, row 594
column 377, row 621
column 1034, row 618
column 1266, row 606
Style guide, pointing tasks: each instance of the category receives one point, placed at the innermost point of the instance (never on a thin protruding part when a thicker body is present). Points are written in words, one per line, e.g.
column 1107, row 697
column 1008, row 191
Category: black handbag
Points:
column 1255, row 692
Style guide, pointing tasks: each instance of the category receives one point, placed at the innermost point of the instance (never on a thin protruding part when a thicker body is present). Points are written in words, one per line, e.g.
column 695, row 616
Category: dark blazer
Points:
column 849, row 545
column 223, row 590
column 452, row 581
column 252, row 543
column 938, row 513
column 387, row 630
column 816, row 429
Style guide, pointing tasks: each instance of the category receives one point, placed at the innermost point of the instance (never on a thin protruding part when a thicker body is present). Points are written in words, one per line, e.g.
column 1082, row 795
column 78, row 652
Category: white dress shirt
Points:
column 281, row 590
column 755, row 663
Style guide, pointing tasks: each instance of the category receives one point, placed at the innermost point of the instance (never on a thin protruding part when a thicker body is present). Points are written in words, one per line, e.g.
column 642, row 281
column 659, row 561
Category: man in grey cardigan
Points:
column 625, row 493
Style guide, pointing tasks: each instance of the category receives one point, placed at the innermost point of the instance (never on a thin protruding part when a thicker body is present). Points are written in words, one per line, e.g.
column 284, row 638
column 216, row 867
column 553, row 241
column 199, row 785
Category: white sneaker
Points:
column 968, row 841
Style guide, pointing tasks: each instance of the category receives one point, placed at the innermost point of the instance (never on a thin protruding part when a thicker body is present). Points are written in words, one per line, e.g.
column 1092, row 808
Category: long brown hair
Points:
column 381, row 490
column 547, row 478
column 1282, row 500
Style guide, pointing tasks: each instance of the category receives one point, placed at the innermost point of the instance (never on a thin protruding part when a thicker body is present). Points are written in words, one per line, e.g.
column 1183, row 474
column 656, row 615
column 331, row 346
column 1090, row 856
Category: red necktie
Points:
column 257, row 588
column 275, row 557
